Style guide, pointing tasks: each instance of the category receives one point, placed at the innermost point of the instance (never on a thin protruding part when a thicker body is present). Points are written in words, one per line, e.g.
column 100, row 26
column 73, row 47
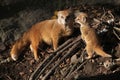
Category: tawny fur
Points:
column 89, row 36
column 49, row 31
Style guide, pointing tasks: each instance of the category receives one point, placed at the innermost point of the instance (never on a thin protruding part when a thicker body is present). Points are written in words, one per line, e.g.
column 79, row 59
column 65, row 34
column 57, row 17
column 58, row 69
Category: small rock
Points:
column 74, row 59
column 92, row 60
column 90, row 68
column 32, row 62
column 21, row 73
column 117, row 48
column 30, row 70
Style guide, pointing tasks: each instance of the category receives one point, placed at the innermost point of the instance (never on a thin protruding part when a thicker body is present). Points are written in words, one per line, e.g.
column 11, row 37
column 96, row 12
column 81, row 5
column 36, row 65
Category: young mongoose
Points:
column 89, row 36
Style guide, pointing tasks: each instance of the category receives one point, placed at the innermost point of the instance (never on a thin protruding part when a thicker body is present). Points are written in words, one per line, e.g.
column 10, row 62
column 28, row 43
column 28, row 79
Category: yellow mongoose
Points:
column 48, row 31
column 89, row 36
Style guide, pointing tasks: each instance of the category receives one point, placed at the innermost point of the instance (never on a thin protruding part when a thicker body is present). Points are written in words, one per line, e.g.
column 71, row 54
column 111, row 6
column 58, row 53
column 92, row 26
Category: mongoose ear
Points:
column 70, row 10
column 84, row 19
column 58, row 13
column 55, row 13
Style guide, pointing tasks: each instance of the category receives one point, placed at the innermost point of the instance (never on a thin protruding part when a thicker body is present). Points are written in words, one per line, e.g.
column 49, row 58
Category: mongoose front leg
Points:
column 89, row 51
column 55, row 43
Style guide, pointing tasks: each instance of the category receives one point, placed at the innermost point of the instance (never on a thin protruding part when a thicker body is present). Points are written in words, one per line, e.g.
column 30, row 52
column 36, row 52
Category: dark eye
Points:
column 62, row 17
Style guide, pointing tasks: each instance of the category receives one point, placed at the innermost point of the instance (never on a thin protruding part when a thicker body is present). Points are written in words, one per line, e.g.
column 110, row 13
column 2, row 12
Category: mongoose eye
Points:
column 62, row 17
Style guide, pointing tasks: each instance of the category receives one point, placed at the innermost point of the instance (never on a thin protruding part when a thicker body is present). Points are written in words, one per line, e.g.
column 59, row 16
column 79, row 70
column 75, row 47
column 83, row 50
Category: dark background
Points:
column 17, row 16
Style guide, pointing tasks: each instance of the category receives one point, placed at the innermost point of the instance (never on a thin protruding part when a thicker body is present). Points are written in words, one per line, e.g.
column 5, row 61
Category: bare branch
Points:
column 62, row 59
column 43, row 66
column 116, row 34
column 117, row 29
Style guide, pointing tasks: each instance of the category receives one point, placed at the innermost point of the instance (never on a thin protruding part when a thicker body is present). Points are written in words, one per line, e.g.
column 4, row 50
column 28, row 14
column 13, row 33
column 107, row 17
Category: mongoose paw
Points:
column 107, row 55
column 51, row 51
column 89, row 57
column 37, row 59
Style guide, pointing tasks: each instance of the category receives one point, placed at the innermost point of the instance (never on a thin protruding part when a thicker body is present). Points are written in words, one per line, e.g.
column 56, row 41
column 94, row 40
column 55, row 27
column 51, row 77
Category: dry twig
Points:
column 76, row 70
column 116, row 35
column 43, row 66
column 39, row 69
column 117, row 29
column 80, row 60
column 63, row 58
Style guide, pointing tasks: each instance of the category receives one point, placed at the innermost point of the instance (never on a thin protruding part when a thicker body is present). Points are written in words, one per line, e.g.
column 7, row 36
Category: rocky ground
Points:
column 68, row 62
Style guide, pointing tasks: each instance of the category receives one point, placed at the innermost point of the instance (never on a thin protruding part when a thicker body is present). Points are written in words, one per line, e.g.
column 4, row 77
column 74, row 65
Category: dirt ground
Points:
column 97, row 68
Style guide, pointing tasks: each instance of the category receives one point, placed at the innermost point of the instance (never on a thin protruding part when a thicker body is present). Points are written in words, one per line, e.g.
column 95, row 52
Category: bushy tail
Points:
column 100, row 52
column 19, row 46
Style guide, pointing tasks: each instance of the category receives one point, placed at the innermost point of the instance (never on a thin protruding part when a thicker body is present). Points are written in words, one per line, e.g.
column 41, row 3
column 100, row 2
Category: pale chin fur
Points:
column 61, row 21
column 79, row 23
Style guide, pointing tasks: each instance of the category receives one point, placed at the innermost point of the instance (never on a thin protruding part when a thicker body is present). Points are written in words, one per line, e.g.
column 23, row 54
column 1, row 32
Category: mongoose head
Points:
column 81, row 18
column 62, row 15
column 63, row 18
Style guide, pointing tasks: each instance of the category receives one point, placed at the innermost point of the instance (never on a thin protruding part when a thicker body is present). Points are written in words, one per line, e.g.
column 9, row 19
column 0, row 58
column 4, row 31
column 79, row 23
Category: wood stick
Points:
column 76, row 70
column 75, row 65
column 116, row 35
column 41, row 67
column 62, row 59
column 59, row 53
column 117, row 29
column 35, row 74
